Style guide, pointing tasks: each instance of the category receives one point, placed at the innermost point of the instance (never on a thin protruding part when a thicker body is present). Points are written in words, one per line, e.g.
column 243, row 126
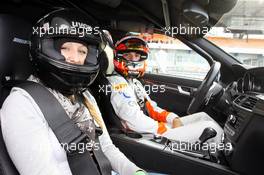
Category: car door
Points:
column 174, row 72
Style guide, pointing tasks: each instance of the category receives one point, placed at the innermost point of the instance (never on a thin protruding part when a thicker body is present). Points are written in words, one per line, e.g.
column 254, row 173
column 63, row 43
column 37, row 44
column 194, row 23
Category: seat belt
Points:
column 66, row 132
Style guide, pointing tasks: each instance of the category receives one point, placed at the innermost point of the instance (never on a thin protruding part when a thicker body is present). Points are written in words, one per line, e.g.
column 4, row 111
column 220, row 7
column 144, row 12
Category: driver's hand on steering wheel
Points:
column 176, row 123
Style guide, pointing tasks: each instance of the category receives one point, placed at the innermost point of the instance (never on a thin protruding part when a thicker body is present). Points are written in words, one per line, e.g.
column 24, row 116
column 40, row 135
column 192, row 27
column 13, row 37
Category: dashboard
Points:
column 244, row 127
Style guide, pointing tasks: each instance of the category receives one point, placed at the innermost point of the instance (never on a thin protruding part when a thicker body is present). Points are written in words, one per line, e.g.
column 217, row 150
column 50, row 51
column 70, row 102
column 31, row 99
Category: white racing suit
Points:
column 141, row 114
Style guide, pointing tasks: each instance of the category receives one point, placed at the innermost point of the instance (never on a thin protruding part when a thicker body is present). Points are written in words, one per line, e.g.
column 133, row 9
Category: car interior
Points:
column 231, row 93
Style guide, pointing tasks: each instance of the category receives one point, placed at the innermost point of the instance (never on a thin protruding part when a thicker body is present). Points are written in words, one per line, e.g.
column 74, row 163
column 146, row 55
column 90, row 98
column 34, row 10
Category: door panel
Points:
column 176, row 93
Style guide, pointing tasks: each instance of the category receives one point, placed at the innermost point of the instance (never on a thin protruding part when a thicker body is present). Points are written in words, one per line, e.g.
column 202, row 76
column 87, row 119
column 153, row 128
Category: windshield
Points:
column 241, row 32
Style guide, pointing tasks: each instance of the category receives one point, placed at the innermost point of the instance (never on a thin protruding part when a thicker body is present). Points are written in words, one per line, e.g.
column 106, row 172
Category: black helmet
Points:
column 49, row 34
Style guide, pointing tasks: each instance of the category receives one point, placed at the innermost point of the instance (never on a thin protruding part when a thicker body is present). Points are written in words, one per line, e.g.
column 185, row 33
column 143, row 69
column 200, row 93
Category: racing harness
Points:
column 81, row 163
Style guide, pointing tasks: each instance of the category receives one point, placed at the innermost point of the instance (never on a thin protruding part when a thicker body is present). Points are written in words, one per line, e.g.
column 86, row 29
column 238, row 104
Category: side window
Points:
column 240, row 32
column 169, row 56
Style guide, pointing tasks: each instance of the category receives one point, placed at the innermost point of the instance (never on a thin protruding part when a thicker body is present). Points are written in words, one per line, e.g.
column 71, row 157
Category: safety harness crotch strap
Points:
column 81, row 163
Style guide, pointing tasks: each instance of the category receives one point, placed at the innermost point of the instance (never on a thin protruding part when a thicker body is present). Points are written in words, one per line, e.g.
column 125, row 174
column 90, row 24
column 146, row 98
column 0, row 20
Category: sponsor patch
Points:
column 132, row 103
column 125, row 95
column 119, row 87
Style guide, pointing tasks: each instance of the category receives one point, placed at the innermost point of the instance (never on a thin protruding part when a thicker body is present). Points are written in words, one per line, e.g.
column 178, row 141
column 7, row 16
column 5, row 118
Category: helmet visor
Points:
column 132, row 56
column 58, row 50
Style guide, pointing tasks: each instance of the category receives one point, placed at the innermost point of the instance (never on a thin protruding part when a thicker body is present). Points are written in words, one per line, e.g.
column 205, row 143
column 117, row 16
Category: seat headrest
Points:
column 107, row 56
column 14, row 47
column 107, row 61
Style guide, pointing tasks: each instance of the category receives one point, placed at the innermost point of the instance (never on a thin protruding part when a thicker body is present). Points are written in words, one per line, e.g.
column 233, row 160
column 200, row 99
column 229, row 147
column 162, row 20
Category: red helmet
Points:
column 131, row 53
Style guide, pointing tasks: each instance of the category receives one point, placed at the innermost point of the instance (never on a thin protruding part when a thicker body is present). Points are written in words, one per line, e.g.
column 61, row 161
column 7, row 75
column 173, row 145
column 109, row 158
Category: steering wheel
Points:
column 203, row 90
